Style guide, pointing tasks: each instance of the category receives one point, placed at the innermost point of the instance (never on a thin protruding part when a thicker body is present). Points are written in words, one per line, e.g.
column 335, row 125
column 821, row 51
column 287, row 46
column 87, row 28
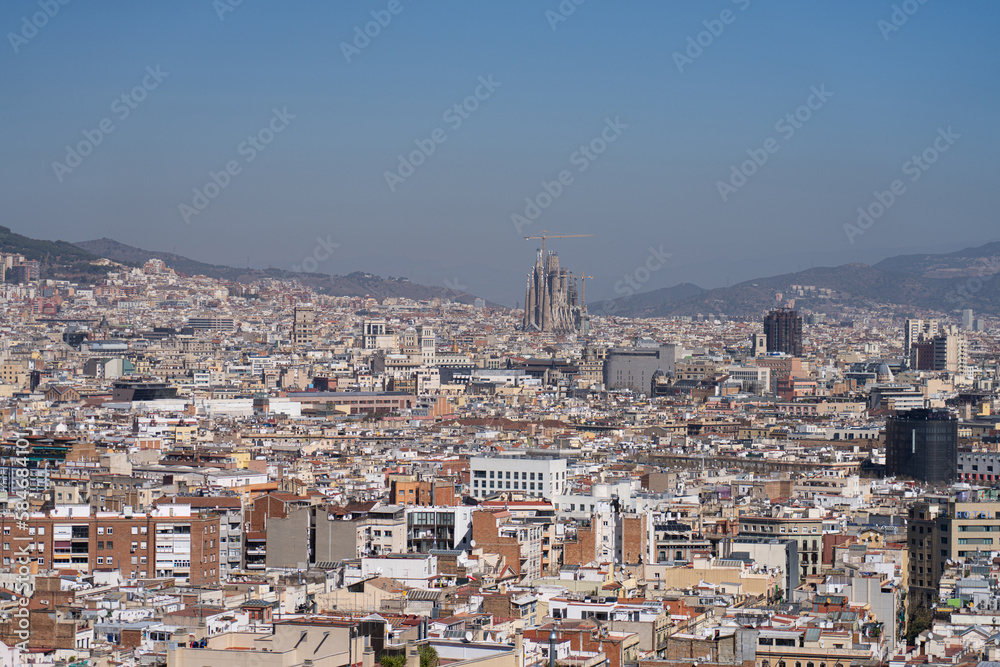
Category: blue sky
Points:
column 324, row 174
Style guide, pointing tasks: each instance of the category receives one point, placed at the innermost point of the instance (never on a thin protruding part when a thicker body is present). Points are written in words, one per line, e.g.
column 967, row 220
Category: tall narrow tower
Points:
column 303, row 326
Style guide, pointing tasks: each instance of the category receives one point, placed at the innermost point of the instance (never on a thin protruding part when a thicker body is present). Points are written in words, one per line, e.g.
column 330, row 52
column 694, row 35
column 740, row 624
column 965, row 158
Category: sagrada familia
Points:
column 551, row 302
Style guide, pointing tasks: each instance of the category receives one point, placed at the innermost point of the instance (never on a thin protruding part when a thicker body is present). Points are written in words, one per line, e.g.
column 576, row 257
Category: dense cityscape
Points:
column 204, row 473
column 499, row 334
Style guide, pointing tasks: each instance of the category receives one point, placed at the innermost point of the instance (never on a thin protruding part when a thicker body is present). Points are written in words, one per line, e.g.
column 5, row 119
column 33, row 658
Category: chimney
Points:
column 412, row 655
column 519, row 648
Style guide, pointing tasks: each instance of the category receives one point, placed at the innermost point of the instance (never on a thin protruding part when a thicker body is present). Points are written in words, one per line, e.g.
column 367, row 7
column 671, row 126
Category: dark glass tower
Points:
column 922, row 445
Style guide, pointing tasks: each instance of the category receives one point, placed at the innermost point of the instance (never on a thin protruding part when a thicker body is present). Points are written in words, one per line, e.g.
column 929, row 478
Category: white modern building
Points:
column 540, row 478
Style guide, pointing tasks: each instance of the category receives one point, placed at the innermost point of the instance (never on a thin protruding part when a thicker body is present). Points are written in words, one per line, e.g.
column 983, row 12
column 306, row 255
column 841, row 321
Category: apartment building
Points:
column 519, row 542
column 804, row 527
column 169, row 541
column 431, row 528
column 230, row 511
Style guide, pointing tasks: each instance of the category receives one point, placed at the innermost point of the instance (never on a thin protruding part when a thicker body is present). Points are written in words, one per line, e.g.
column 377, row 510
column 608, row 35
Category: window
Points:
column 142, row 560
column 142, row 545
column 110, row 559
column 111, row 531
column 100, row 530
column 100, row 560
column 100, row 546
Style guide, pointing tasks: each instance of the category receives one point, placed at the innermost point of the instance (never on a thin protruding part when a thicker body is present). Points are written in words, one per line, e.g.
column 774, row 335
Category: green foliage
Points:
column 11, row 242
column 428, row 656
column 921, row 619
column 393, row 660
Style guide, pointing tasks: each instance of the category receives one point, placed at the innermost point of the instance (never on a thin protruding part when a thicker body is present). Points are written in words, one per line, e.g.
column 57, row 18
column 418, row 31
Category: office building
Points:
column 212, row 323
column 540, row 478
column 634, row 367
column 783, row 329
column 967, row 319
column 922, row 444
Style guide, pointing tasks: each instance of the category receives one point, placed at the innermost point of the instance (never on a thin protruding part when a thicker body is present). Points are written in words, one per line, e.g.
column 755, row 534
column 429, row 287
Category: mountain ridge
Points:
column 357, row 283
column 967, row 278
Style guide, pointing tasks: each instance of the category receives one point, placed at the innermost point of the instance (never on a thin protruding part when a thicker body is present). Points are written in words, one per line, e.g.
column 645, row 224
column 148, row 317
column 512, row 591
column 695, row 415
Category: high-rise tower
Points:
column 303, row 326
column 783, row 329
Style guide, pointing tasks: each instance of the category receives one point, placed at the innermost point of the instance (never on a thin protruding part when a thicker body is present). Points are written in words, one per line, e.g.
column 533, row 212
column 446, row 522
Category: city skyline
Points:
column 730, row 134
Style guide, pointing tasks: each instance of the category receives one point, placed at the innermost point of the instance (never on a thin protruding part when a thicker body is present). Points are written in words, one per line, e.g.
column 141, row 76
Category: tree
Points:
column 921, row 619
column 428, row 656
column 393, row 660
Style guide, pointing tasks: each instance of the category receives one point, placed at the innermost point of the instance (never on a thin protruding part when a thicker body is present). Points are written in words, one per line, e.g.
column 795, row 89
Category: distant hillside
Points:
column 353, row 284
column 984, row 260
column 966, row 279
column 647, row 303
column 57, row 259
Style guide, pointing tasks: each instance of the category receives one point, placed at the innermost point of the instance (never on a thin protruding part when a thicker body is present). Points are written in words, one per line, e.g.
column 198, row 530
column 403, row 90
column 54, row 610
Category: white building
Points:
column 541, row 478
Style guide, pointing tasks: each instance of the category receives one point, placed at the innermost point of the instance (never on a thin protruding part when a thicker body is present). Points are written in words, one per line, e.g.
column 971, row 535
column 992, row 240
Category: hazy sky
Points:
column 674, row 94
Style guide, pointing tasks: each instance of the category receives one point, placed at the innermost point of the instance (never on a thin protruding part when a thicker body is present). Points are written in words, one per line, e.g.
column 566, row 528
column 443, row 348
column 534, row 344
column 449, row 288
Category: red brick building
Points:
column 171, row 541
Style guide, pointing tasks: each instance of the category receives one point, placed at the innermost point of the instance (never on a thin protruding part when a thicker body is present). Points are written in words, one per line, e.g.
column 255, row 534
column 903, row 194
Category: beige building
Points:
column 805, row 527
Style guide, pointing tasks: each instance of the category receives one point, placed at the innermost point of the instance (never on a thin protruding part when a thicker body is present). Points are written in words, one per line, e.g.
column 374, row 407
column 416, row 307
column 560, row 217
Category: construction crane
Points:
column 546, row 235
column 583, row 284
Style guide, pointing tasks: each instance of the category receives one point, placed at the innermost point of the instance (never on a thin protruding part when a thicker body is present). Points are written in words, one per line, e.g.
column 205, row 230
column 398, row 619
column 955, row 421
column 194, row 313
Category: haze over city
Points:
column 319, row 120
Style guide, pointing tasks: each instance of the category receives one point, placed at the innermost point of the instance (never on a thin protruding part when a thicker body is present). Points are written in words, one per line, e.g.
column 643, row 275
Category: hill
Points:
column 354, row 284
column 57, row 259
column 968, row 278
column 981, row 261
column 647, row 302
